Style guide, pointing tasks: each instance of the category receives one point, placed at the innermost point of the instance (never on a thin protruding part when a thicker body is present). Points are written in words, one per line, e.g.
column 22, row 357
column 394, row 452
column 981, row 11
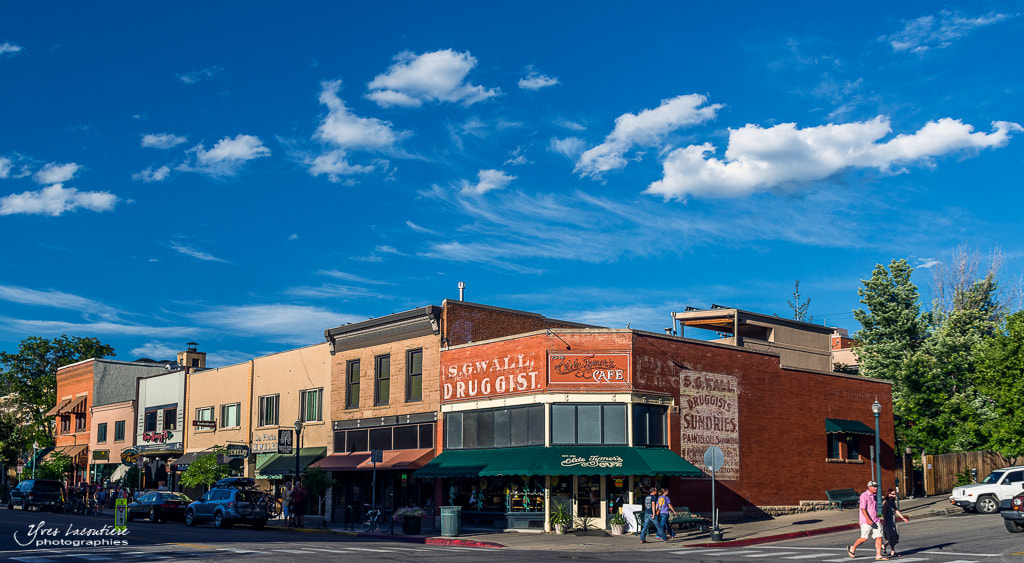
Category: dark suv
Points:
column 1013, row 514
column 40, row 493
column 227, row 505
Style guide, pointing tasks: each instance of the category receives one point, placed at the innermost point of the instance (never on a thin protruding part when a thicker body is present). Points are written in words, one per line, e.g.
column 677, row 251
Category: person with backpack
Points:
column 651, row 517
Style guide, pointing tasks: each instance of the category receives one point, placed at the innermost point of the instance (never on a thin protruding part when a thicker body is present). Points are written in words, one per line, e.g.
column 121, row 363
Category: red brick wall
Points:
column 71, row 382
column 781, row 418
column 463, row 322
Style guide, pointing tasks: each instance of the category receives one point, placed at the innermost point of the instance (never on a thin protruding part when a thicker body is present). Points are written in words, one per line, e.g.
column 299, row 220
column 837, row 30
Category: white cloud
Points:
column 228, row 156
column 162, row 140
column 188, row 250
column 535, row 80
column 648, row 128
column 53, row 173
column 150, row 175
column 419, row 229
column 5, row 167
column 938, row 32
column 198, row 75
column 569, row 147
column 55, row 200
column 335, row 166
column 155, row 351
column 488, row 180
column 438, row 76
column 353, row 277
column 517, row 157
column 9, row 49
column 93, row 328
column 570, row 125
column 293, row 324
column 57, row 299
column 783, row 156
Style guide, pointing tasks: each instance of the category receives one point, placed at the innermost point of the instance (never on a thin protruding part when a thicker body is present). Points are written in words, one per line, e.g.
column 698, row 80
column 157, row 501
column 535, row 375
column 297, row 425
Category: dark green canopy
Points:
column 838, row 425
column 558, row 460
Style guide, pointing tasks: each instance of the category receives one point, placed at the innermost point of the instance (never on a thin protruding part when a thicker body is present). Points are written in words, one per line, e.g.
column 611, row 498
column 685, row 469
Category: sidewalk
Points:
column 733, row 534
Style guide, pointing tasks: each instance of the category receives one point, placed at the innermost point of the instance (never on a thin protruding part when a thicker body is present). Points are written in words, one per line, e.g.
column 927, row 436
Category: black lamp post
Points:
column 877, row 409
column 298, row 431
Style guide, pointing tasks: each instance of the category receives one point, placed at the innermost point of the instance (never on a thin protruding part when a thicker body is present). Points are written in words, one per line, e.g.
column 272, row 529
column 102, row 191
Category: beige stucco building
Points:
column 112, row 433
column 218, row 403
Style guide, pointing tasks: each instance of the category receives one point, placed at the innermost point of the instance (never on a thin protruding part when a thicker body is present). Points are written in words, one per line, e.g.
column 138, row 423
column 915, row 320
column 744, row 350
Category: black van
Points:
column 40, row 493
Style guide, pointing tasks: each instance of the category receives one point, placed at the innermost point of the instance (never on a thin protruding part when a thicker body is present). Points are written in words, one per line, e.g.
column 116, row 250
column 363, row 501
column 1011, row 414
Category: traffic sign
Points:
column 121, row 514
column 714, row 458
column 376, row 456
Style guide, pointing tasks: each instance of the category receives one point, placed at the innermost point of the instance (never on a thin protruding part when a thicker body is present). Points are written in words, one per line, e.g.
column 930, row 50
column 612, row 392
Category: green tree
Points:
column 892, row 328
column 1000, row 385
column 800, row 308
column 13, row 439
column 56, row 467
column 317, row 482
column 205, row 470
column 30, row 377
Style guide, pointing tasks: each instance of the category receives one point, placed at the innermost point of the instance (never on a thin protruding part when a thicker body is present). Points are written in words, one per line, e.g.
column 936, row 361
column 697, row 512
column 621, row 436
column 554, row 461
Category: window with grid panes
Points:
column 382, row 380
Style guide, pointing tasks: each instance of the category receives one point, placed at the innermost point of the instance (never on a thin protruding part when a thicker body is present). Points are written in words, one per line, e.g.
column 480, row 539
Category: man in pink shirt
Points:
column 869, row 524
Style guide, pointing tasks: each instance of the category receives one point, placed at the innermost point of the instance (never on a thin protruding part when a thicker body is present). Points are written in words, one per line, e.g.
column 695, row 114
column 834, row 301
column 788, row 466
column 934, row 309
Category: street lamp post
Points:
column 35, row 446
column 298, row 430
column 877, row 409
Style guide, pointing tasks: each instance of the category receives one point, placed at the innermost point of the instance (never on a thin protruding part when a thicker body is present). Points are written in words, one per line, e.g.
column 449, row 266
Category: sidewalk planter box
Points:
column 451, row 521
column 411, row 525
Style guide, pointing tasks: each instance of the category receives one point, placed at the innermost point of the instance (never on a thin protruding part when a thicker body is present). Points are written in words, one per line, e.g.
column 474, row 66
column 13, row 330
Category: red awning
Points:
column 393, row 459
column 56, row 409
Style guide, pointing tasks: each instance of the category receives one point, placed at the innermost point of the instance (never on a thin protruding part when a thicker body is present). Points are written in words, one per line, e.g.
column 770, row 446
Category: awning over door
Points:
column 392, row 459
column 57, row 408
column 838, row 425
column 182, row 463
column 70, row 451
column 559, row 460
column 284, row 464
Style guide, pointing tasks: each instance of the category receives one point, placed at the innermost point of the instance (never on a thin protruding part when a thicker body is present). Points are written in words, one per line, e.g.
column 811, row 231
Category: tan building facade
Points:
column 112, row 433
column 218, row 403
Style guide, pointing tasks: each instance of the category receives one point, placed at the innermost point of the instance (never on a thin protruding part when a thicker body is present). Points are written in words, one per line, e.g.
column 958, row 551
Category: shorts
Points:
column 867, row 531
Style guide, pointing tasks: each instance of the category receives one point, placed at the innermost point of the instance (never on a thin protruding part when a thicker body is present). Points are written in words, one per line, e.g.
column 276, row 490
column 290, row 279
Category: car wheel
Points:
column 1013, row 527
column 152, row 515
column 988, row 505
column 220, row 522
column 259, row 524
column 190, row 518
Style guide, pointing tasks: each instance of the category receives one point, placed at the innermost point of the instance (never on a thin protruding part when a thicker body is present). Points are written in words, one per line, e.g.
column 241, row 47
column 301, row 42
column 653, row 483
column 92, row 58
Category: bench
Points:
column 839, row 497
column 686, row 519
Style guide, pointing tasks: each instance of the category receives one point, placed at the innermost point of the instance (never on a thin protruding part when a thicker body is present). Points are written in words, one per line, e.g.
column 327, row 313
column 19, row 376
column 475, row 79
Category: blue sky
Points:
column 246, row 175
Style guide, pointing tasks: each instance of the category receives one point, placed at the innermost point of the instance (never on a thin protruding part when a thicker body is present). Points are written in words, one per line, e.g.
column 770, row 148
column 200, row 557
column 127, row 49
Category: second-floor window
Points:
column 119, row 431
column 150, row 424
column 414, row 375
column 65, row 424
column 382, row 380
column 352, row 384
column 268, row 410
column 205, row 414
column 80, row 425
column 101, row 432
column 311, row 405
column 171, row 418
column 229, row 415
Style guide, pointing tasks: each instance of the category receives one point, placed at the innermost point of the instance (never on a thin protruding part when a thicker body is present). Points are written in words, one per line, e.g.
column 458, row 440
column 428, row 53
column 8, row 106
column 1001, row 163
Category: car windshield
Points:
column 46, row 486
column 174, row 496
column 993, row 477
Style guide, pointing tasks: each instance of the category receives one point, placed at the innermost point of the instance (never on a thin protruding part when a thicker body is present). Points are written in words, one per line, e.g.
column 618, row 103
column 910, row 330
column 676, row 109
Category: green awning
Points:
column 838, row 425
column 558, row 460
column 277, row 465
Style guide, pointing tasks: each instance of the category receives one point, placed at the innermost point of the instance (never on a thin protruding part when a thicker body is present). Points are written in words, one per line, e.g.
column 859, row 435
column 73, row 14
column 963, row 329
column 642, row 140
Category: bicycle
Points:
column 271, row 505
column 376, row 519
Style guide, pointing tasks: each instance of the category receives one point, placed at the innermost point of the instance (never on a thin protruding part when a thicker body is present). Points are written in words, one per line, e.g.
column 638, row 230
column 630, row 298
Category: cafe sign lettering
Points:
column 160, row 437
column 590, row 369
column 572, row 460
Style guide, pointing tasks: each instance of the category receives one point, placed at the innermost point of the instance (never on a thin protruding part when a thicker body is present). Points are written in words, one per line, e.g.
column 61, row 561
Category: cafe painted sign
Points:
column 589, row 369
column 485, row 377
column 709, row 416
column 572, row 460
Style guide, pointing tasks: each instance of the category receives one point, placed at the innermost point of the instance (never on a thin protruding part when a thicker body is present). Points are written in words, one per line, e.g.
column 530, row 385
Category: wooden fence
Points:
column 940, row 471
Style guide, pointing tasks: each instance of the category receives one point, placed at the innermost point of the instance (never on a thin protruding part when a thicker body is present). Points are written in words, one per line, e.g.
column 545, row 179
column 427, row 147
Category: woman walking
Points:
column 889, row 513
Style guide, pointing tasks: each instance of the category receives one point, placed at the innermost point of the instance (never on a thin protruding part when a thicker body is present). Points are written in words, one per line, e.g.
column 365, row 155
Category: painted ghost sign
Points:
column 709, row 416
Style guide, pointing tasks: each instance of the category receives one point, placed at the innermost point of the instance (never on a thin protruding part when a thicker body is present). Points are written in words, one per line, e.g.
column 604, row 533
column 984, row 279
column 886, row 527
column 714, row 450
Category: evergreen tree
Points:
column 892, row 329
column 999, row 382
column 800, row 308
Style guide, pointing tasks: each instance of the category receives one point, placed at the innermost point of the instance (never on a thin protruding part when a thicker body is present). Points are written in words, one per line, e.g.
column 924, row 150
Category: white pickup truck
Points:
column 984, row 497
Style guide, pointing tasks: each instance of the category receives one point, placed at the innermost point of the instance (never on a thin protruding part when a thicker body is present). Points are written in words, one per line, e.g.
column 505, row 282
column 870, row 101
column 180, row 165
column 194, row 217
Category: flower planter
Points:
column 411, row 525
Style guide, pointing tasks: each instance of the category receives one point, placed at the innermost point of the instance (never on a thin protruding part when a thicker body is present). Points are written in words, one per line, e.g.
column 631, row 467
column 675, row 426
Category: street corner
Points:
column 461, row 542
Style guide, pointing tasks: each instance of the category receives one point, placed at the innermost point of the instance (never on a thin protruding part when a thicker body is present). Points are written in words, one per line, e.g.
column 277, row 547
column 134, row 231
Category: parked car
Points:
column 40, row 493
column 985, row 497
column 159, row 506
column 226, row 506
column 1013, row 514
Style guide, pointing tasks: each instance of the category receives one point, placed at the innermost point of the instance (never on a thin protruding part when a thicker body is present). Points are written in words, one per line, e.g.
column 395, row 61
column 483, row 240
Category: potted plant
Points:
column 561, row 517
column 617, row 524
column 410, row 517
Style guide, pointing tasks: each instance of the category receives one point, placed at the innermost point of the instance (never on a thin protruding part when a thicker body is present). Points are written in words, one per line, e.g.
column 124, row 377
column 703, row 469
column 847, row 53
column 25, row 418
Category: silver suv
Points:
column 225, row 506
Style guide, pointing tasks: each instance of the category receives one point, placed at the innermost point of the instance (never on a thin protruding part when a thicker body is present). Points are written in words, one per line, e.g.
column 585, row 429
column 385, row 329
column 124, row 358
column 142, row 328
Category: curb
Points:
column 429, row 540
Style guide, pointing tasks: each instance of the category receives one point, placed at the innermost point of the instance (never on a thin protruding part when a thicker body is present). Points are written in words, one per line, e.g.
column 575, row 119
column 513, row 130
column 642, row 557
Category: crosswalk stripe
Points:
column 367, row 549
column 771, row 554
column 694, row 550
column 808, row 556
column 294, row 551
column 32, row 559
column 89, row 557
column 901, row 559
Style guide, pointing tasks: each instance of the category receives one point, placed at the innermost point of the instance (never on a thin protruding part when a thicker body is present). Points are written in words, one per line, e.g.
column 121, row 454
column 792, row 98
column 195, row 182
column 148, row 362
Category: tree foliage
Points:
column 892, row 329
column 800, row 307
column 1000, row 386
column 205, row 470
column 13, row 438
column 30, row 377
column 317, row 481
column 56, row 467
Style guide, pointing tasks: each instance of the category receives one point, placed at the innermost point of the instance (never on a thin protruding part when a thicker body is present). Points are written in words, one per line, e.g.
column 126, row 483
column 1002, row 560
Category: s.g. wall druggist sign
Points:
column 600, row 370
column 482, row 376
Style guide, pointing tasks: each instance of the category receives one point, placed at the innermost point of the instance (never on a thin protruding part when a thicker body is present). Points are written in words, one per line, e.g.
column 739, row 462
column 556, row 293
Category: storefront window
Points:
column 593, row 424
column 649, row 425
column 499, row 494
column 589, row 495
column 495, row 428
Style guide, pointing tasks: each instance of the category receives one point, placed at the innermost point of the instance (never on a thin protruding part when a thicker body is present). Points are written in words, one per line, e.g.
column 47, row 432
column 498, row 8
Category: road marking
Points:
column 32, row 559
column 89, row 557
column 954, row 553
column 294, row 551
column 809, row 556
column 368, row 549
column 772, row 554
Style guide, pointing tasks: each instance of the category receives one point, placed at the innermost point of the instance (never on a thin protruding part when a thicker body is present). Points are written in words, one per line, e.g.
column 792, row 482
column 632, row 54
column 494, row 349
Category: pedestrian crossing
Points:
column 820, row 555
column 275, row 550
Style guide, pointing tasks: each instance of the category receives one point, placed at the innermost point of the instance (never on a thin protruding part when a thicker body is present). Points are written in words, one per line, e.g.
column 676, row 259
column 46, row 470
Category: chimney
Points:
column 192, row 358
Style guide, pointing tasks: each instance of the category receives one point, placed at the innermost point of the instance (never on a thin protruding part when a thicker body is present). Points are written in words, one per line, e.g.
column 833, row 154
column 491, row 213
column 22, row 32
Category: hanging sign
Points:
column 238, row 451
column 129, row 456
column 284, row 441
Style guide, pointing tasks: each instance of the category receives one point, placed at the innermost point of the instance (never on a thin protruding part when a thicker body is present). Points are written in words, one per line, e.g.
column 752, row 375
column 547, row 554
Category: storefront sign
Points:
column 284, row 441
column 204, row 423
column 264, row 442
column 709, row 416
column 161, row 437
column 593, row 369
column 488, row 377
column 161, row 447
column 238, row 451
column 571, row 460
column 129, row 456
column 101, row 455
